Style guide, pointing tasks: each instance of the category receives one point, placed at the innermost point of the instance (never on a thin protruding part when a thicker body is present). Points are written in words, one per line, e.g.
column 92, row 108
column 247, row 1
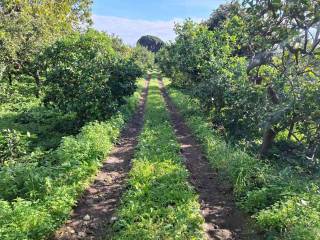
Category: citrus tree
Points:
column 87, row 76
column 255, row 69
column 28, row 27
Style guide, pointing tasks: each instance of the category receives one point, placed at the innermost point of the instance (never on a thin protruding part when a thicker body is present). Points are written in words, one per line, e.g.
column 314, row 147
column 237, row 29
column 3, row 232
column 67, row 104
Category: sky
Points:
column 131, row 19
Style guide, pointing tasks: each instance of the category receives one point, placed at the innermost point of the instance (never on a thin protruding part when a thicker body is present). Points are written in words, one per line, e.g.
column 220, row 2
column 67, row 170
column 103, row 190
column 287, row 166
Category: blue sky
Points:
column 131, row 19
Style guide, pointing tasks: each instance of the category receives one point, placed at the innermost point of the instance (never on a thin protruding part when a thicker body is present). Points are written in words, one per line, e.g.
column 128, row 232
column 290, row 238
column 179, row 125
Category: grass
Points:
column 22, row 111
column 37, row 197
column 284, row 202
column 159, row 203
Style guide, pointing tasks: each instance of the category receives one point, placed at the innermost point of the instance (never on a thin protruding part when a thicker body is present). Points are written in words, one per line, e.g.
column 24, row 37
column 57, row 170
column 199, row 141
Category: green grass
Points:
column 22, row 111
column 159, row 203
column 284, row 201
column 37, row 197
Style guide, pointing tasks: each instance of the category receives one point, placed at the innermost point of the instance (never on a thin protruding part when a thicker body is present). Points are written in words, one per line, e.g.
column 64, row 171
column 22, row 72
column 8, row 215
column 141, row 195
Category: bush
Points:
column 87, row 76
column 13, row 145
column 143, row 57
column 244, row 80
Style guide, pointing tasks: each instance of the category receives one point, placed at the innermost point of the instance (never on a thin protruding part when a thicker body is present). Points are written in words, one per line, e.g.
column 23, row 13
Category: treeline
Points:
column 254, row 67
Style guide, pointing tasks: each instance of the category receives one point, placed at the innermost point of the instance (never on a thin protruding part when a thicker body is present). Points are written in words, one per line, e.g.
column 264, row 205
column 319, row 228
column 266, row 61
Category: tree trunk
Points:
column 313, row 147
column 36, row 76
column 268, row 139
column 10, row 80
column 291, row 130
column 270, row 134
column 273, row 95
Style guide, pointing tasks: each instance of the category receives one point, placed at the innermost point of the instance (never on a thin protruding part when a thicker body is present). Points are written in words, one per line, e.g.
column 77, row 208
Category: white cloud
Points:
column 130, row 30
column 201, row 3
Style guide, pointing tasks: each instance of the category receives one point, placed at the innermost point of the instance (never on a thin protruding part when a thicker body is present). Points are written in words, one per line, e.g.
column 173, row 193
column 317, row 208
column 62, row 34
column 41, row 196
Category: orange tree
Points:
column 255, row 68
column 87, row 76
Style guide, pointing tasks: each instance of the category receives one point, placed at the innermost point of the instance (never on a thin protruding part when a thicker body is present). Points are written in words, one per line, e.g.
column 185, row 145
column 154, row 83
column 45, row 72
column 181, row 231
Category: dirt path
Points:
column 222, row 219
column 90, row 219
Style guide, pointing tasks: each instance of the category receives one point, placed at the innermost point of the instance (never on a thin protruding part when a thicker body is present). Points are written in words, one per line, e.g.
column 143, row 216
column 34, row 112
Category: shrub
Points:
column 143, row 57
column 13, row 145
column 86, row 76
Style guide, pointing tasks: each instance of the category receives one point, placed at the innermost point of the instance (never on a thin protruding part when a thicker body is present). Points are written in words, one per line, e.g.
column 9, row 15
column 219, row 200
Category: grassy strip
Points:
column 159, row 203
column 285, row 205
column 54, row 186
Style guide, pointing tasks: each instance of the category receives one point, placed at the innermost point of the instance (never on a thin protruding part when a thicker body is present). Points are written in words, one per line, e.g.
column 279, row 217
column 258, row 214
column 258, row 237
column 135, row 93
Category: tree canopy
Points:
column 27, row 27
column 86, row 75
column 255, row 67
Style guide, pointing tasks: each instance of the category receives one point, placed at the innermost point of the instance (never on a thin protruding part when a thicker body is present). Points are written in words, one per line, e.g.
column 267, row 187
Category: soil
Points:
column 223, row 220
column 95, row 211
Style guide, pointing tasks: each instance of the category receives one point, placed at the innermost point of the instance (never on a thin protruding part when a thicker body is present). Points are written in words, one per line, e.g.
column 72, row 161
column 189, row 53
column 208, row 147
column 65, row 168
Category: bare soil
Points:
column 94, row 213
column 223, row 220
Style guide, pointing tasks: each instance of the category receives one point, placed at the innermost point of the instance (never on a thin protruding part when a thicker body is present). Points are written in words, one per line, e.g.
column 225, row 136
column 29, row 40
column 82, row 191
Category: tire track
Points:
column 223, row 220
column 95, row 210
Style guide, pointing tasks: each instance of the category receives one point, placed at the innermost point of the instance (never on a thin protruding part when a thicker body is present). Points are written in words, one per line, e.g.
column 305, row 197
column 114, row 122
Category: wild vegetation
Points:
column 38, row 193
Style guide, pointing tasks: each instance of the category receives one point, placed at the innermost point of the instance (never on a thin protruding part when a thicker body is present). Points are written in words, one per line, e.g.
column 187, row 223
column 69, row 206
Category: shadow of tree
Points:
column 46, row 126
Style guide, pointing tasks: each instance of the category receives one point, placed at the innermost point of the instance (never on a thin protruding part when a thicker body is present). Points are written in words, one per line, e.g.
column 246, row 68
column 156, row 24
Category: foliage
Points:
column 159, row 204
column 86, row 76
column 28, row 27
column 21, row 111
column 284, row 201
column 120, row 47
column 143, row 57
column 297, row 217
column 221, row 14
column 254, row 68
column 36, row 197
column 13, row 145
column 216, row 77
column 286, row 40
column 152, row 43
